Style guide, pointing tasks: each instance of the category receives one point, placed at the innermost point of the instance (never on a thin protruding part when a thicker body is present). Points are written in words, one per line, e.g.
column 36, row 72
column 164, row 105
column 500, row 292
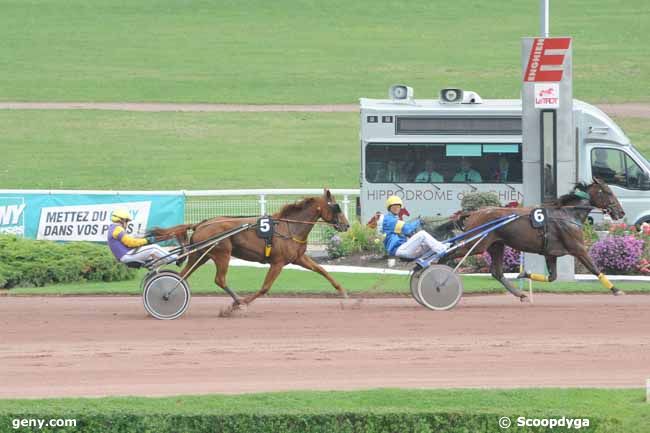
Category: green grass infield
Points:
column 173, row 151
column 307, row 51
column 305, row 283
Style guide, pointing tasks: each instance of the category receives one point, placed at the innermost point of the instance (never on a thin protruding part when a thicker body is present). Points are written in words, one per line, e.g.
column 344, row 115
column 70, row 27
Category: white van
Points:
column 431, row 153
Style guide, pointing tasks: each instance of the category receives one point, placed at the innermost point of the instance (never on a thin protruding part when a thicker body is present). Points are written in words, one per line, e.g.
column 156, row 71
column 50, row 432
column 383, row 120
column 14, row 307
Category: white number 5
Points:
column 265, row 225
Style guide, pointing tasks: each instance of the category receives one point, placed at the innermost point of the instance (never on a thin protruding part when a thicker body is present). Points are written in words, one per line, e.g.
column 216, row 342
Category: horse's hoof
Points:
column 524, row 299
column 350, row 304
column 617, row 292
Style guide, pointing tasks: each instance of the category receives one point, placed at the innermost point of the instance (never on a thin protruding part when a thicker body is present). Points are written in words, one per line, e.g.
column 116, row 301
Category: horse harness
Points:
column 539, row 218
column 266, row 230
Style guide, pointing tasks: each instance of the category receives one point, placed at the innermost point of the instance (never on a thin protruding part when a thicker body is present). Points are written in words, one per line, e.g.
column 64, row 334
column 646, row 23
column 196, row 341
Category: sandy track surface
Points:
column 92, row 346
column 633, row 109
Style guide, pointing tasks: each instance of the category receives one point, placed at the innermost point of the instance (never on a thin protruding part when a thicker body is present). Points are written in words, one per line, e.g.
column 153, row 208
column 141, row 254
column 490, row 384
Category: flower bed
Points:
column 625, row 250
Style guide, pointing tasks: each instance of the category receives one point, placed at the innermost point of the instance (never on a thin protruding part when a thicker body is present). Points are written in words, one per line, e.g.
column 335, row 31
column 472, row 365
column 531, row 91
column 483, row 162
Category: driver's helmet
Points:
column 120, row 215
column 392, row 200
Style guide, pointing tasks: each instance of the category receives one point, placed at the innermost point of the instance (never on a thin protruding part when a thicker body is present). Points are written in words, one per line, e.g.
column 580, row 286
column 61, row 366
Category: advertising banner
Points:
column 85, row 217
column 12, row 215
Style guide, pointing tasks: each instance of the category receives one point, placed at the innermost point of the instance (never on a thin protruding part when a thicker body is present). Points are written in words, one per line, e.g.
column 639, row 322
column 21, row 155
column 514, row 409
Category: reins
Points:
column 287, row 220
column 304, row 222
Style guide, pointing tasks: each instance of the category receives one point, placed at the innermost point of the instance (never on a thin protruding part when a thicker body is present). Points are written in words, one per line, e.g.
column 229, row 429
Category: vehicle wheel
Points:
column 439, row 287
column 166, row 295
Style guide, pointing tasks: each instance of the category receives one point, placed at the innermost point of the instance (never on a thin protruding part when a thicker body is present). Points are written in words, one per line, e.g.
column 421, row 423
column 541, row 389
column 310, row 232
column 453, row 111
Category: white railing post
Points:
column 346, row 202
column 262, row 204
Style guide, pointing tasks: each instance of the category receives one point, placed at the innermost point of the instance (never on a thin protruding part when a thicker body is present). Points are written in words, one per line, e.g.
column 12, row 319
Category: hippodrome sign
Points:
column 546, row 59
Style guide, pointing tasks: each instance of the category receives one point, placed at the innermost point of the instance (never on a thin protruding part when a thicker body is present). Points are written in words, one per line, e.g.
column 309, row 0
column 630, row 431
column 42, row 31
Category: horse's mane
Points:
column 567, row 198
column 291, row 208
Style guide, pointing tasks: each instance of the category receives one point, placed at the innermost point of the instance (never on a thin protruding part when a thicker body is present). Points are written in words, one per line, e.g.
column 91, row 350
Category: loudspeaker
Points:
column 451, row 96
column 400, row 92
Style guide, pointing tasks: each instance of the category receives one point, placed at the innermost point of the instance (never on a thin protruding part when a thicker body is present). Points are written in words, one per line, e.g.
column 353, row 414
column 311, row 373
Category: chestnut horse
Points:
column 292, row 225
column 562, row 235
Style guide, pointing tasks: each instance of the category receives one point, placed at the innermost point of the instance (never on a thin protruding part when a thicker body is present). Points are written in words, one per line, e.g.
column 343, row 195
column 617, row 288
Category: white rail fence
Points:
column 204, row 204
column 201, row 205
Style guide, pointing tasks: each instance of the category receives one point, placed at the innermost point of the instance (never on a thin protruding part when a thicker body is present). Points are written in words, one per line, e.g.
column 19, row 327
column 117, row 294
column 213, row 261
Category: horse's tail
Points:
column 178, row 232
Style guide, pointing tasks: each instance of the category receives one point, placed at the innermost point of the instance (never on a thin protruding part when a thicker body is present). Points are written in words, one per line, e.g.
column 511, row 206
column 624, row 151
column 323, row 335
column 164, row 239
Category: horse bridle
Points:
column 610, row 203
column 333, row 207
column 336, row 211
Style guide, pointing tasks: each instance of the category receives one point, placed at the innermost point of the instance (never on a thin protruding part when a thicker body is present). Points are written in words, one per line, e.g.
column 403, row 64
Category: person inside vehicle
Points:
column 467, row 173
column 130, row 249
column 429, row 175
column 600, row 168
column 388, row 173
column 502, row 172
column 403, row 239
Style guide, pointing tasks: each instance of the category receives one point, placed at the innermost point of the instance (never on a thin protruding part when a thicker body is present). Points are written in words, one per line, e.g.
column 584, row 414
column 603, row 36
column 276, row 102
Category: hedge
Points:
column 292, row 423
column 29, row 263
column 476, row 200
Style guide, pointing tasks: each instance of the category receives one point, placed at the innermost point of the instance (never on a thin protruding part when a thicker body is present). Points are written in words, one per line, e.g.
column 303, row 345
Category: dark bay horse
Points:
column 293, row 223
column 562, row 235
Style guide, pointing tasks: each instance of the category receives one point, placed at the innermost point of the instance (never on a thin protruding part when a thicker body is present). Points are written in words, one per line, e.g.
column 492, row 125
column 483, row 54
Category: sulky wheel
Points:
column 166, row 295
column 415, row 277
column 439, row 287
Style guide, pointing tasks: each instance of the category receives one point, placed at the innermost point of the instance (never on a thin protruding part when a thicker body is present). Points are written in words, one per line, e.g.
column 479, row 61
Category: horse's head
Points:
column 602, row 197
column 331, row 212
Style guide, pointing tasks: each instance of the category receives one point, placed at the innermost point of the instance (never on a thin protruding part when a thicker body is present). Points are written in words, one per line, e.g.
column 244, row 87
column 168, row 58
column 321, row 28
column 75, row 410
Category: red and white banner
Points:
column 546, row 59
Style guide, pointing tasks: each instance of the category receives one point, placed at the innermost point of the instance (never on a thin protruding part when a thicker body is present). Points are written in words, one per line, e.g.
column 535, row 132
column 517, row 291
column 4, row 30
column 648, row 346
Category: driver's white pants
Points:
column 418, row 244
column 147, row 253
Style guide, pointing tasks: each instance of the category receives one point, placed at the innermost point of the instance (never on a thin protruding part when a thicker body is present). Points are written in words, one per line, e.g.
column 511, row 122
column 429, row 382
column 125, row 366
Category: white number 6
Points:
column 538, row 215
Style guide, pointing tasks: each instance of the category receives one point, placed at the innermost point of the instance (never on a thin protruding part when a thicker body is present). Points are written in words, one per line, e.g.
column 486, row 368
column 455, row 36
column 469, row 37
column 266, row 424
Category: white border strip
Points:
column 384, row 271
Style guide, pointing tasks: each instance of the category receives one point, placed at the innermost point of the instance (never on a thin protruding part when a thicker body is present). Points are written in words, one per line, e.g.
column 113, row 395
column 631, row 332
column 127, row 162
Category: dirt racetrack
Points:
column 91, row 346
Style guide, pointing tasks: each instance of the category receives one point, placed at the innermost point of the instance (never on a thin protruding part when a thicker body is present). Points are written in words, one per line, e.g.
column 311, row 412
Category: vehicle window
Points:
column 641, row 158
column 609, row 165
column 443, row 163
column 617, row 168
column 634, row 174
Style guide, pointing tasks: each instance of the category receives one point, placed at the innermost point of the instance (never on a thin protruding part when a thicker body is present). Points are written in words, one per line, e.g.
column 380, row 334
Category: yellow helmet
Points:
column 393, row 199
column 120, row 214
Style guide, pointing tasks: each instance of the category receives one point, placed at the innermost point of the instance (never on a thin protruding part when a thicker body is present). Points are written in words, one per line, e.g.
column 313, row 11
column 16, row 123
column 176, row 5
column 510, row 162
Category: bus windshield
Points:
column 443, row 163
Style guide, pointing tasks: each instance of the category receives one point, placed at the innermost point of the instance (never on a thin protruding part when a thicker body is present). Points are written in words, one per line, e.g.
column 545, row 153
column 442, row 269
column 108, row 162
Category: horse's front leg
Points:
column 308, row 263
column 582, row 255
column 270, row 278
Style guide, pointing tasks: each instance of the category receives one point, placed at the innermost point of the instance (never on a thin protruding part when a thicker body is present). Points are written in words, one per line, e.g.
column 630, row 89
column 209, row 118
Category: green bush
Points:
column 291, row 423
column 28, row 263
column 477, row 200
column 358, row 239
